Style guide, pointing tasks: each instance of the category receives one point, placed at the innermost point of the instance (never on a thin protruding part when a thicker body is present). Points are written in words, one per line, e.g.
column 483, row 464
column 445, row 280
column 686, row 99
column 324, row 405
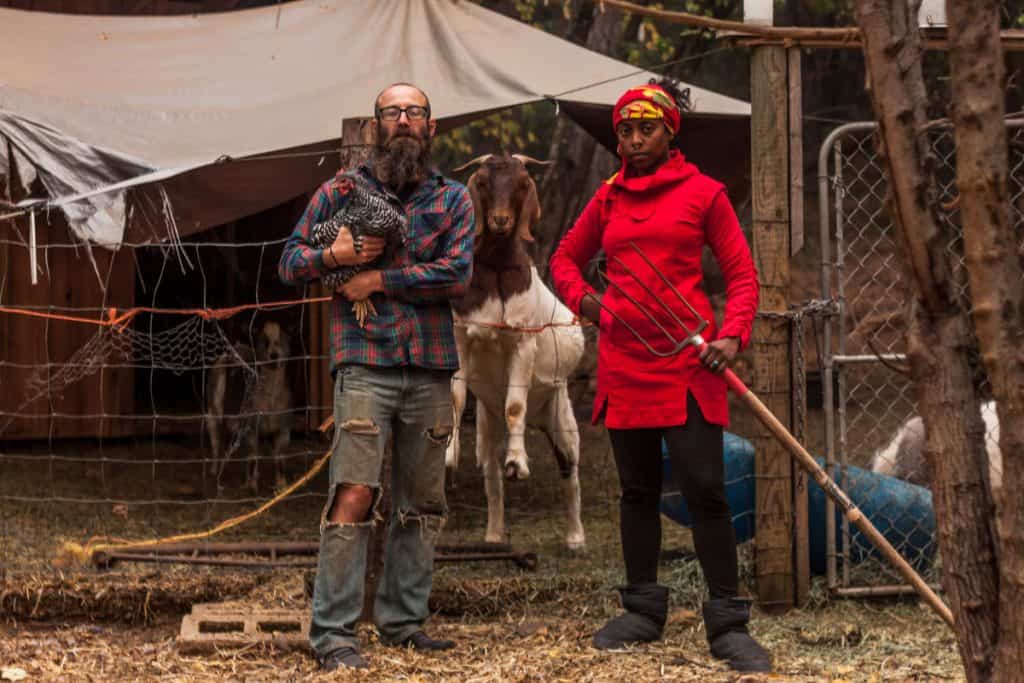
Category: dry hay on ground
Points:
column 509, row 628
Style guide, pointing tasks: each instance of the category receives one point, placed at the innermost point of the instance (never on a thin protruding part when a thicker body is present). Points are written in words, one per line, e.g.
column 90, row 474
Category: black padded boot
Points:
column 725, row 620
column 646, row 606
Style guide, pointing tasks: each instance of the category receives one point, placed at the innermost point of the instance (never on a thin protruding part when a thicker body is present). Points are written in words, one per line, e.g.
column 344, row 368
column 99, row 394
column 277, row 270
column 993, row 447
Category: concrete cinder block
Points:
column 211, row 627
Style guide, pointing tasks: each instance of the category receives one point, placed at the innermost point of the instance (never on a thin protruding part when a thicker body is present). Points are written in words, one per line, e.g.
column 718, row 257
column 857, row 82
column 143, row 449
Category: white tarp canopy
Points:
column 173, row 106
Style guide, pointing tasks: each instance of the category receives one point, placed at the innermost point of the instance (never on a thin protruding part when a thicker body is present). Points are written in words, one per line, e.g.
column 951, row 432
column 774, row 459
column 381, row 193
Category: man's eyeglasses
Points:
column 414, row 112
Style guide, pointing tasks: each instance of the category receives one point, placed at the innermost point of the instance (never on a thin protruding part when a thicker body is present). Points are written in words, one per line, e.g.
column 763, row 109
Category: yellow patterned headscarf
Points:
column 647, row 102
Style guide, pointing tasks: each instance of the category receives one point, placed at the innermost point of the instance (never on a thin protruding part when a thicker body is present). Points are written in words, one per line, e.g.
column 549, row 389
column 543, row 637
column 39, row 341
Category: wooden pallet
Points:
column 211, row 627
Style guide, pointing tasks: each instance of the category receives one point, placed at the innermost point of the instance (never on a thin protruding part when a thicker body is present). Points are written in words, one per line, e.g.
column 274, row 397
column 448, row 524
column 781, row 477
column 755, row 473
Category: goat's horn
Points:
column 530, row 160
column 479, row 160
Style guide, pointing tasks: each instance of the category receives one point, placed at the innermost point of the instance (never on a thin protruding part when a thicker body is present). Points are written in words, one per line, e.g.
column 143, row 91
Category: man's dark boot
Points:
column 646, row 606
column 342, row 658
column 725, row 620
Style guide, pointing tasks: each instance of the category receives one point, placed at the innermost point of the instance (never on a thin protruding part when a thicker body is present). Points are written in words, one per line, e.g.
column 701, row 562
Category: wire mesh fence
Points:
column 108, row 373
column 874, row 437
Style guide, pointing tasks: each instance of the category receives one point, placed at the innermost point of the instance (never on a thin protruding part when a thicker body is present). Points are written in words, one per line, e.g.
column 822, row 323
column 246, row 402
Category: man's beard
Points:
column 402, row 161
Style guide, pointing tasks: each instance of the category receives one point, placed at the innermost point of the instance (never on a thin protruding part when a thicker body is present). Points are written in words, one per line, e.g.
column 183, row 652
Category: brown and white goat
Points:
column 248, row 397
column 517, row 345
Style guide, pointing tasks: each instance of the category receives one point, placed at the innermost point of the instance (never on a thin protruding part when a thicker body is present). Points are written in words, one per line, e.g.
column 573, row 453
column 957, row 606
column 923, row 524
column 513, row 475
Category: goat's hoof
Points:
column 280, row 484
column 514, row 471
column 576, row 545
column 494, row 538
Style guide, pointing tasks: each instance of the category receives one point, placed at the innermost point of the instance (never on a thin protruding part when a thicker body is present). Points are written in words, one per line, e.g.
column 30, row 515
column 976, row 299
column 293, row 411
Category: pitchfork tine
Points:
column 654, row 296
column 639, row 337
column 640, row 307
column 669, row 285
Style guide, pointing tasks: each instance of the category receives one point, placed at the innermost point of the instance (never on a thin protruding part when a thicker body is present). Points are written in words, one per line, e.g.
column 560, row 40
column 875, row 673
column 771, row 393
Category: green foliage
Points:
column 516, row 130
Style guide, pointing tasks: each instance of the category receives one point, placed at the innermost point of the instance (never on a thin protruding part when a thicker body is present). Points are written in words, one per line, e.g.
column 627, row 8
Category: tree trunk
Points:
column 994, row 272
column 580, row 162
column 938, row 331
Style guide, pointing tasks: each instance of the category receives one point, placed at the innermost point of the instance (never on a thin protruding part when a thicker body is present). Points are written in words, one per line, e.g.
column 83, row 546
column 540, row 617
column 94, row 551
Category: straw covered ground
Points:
column 510, row 624
column 516, row 627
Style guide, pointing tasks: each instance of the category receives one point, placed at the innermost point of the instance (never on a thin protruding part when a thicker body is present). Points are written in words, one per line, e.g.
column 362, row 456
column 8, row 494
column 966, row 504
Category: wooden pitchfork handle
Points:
column 852, row 512
column 803, row 458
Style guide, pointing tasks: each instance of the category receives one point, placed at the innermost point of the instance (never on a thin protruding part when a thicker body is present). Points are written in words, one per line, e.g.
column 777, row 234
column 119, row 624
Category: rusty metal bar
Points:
column 279, row 548
column 205, row 554
column 106, row 560
column 879, row 591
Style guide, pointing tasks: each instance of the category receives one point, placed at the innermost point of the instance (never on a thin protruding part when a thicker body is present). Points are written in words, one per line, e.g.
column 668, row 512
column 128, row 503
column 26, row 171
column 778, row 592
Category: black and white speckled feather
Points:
column 367, row 214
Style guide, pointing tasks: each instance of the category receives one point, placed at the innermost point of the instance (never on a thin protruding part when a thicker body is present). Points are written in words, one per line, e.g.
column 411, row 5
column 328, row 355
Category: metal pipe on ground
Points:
column 206, row 554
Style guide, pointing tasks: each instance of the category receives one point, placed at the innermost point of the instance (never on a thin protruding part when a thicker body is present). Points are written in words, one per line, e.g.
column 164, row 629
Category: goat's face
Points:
column 504, row 195
column 272, row 344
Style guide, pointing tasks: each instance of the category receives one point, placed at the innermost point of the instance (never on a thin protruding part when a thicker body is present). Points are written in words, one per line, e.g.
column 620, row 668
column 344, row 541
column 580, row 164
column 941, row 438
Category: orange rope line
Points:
column 576, row 322
column 113, row 319
column 117, row 319
column 40, row 314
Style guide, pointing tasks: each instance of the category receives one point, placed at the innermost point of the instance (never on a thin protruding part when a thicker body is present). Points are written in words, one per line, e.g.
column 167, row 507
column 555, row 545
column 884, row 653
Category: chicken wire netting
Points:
column 873, row 432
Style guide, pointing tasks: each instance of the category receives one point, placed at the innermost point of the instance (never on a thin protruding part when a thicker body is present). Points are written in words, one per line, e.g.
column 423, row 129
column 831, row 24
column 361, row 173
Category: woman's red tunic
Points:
column 670, row 215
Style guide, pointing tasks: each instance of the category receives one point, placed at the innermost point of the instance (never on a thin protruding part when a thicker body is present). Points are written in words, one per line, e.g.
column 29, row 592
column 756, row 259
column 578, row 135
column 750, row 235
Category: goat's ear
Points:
column 529, row 213
column 479, row 160
column 478, row 207
column 527, row 160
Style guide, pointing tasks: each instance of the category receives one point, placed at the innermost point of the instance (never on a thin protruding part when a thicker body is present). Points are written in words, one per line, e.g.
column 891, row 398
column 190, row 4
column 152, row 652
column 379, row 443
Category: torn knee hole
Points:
column 360, row 425
column 352, row 504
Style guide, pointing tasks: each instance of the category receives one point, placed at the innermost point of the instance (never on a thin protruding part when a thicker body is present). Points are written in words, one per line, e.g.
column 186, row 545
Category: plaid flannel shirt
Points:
column 413, row 325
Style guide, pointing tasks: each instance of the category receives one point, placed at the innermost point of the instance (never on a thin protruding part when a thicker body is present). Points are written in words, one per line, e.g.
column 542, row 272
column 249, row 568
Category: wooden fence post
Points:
column 771, row 248
column 356, row 145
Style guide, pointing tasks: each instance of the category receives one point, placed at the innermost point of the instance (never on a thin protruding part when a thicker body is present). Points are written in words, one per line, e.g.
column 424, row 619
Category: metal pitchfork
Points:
column 799, row 453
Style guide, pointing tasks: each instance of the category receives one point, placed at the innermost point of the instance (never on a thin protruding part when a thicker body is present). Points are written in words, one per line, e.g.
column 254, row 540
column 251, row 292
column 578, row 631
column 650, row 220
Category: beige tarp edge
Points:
column 96, row 100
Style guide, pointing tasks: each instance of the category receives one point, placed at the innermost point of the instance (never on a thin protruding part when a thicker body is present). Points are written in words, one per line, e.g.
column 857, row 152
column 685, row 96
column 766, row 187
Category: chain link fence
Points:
column 872, row 433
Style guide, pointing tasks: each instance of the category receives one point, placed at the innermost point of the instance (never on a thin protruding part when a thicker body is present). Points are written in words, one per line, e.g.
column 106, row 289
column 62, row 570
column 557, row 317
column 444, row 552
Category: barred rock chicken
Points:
column 366, row 214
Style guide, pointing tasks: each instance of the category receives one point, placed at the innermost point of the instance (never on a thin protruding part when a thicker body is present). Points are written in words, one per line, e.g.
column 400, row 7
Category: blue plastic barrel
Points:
column 739, row 487
column 901, row 512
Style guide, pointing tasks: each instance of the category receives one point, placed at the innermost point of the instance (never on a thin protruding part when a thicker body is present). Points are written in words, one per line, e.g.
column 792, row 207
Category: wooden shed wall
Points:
column 29, row 346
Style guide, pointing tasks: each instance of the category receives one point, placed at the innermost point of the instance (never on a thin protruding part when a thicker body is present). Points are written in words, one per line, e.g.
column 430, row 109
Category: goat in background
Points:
column 517, row 345
column 249, row 400
column 903, row 456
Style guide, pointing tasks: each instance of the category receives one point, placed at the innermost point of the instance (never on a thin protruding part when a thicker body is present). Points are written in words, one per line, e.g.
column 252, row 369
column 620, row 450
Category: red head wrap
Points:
column 647, row 102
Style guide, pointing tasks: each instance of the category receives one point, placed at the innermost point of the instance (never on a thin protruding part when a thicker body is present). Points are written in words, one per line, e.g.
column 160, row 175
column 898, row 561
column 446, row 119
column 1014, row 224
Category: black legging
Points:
column 696, row 452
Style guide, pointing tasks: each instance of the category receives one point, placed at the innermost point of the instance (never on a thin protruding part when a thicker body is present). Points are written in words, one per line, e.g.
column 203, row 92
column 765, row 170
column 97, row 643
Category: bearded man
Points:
column 392, row 379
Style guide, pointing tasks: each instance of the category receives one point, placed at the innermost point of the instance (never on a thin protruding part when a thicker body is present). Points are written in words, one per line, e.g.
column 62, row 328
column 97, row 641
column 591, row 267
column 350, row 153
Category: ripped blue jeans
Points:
column 413, row 406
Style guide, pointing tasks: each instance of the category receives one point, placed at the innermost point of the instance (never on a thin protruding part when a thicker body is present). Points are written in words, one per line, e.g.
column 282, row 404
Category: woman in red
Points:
column 664, row 205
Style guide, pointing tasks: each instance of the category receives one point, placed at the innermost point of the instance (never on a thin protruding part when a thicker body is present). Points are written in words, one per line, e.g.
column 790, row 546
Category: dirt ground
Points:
column 508, row 628
column 511, row 625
